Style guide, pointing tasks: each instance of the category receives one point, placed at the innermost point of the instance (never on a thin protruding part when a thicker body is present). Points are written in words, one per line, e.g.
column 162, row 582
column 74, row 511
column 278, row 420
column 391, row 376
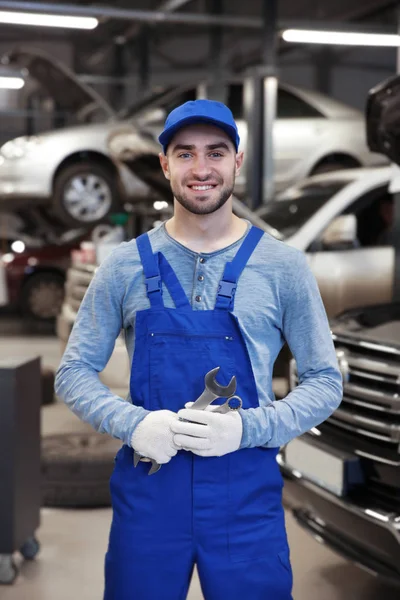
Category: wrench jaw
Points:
column 154, row 465
column 221, row 391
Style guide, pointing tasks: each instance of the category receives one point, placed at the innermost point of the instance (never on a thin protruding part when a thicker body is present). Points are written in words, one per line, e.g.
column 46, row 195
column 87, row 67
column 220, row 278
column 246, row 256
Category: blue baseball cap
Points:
column 199, row 111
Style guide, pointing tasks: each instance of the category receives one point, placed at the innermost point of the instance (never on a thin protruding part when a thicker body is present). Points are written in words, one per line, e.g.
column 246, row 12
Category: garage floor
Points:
column 73, row 542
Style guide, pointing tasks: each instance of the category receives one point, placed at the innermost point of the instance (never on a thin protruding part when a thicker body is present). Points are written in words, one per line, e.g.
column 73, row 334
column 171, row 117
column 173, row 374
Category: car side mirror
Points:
column 341, row 232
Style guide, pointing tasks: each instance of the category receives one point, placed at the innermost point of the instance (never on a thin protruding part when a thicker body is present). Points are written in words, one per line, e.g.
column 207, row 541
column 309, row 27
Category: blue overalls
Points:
column 223, row 513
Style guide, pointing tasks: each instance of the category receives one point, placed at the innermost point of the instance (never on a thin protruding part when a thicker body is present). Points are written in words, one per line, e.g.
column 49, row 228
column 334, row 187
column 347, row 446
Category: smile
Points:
column 201, row 188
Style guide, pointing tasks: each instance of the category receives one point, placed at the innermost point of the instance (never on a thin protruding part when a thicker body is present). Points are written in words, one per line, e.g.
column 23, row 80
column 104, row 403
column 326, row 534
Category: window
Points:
column 292, row 107
column 375, row 215
column 289, row 105
column 297, row 205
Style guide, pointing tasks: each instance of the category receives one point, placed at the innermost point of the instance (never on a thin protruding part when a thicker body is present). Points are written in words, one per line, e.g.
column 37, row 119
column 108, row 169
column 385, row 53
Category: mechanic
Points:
column 204, row 289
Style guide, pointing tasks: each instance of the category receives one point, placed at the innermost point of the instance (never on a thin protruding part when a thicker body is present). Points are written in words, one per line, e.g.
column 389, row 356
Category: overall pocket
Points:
column 179, row 363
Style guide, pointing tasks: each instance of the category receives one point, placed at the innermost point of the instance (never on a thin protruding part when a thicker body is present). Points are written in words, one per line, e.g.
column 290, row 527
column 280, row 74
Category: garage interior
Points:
column 82, row 101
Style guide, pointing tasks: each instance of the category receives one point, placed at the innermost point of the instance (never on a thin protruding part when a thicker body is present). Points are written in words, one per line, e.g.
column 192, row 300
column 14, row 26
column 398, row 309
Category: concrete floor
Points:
column 70, row 564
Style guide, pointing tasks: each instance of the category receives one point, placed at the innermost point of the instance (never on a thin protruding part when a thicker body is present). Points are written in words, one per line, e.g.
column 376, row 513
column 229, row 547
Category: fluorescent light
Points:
column 23, row 18
column 11, row 83
column 349, row 38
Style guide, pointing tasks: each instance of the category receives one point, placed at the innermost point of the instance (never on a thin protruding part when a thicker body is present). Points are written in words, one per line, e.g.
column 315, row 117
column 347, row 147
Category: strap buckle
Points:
column 153, row 284
column 227, row 289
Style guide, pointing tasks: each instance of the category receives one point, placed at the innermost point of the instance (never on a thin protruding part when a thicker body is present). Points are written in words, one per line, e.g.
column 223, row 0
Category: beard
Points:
column 204, row 207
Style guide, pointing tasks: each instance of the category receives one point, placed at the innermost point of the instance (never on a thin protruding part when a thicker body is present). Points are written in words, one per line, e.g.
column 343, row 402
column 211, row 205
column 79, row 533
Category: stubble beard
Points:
column 203, row 207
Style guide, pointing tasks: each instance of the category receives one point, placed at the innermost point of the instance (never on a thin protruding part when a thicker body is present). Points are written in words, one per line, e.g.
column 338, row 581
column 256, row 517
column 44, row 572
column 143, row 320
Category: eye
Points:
column 184, row 155
column 216, row 154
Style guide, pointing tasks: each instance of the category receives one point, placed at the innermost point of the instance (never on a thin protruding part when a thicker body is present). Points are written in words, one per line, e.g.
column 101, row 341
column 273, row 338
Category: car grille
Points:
column 371, row 391
column 370, row 409
column 78, row 279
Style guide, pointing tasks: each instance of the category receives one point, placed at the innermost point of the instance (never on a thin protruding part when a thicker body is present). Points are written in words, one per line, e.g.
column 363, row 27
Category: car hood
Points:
column 378, row 324
column 58, row 80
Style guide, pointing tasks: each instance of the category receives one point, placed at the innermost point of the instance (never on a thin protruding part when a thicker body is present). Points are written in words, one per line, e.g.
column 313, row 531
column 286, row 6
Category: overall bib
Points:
column 223, row 514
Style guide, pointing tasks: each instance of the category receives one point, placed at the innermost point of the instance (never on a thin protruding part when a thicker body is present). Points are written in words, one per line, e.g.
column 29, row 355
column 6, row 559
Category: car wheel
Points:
column 76, row 469
column 42, row 296
column 85, row 193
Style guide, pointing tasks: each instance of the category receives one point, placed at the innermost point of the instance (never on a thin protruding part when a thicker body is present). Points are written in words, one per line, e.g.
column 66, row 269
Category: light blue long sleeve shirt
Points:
column 277, row 299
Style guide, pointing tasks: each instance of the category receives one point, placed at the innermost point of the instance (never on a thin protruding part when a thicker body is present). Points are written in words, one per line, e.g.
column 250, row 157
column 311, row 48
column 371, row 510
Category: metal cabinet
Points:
column 20, row 489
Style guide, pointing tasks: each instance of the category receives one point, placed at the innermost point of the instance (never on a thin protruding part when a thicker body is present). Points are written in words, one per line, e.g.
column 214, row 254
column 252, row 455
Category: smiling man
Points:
column 203, row 291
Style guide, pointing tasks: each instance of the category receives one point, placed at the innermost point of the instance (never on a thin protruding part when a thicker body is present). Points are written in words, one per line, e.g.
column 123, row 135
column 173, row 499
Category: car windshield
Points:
column 294, row 207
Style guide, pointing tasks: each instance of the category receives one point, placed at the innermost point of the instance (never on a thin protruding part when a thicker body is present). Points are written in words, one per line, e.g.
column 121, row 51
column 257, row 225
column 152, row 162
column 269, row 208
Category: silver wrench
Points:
column 212, row 391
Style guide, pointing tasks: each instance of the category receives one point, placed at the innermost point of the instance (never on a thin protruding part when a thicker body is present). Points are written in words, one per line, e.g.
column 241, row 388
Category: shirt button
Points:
column 200, row 278
column 198, row 298
column 202, row 260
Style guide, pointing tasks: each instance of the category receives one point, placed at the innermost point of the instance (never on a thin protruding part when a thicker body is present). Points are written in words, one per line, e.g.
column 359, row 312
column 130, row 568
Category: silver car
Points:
column 71, row 172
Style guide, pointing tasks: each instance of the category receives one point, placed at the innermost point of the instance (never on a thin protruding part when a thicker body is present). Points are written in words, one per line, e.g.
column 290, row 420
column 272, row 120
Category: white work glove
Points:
column 212, row 433
column 153, row 437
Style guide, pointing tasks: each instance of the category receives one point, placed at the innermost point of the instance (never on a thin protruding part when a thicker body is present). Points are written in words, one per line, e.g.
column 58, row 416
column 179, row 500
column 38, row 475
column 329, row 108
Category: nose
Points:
column 200, row 168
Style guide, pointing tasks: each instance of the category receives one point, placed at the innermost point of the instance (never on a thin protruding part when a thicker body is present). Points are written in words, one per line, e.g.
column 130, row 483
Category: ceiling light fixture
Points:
column 44, row 20
column 346, row 38
column 11, row 83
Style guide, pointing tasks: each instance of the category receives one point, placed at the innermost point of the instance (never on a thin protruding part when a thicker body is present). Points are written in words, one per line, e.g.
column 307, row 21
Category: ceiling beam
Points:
column 143, row 16
column 130, row 33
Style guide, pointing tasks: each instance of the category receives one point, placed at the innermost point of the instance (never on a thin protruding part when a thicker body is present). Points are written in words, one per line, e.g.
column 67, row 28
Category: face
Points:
column 201, row 164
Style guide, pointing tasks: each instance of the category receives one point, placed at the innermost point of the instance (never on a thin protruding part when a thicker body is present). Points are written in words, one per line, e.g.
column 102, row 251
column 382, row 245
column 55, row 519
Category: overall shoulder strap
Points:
column 157, row 270
column 233, row 270
column 151, row 271
column 172, row 282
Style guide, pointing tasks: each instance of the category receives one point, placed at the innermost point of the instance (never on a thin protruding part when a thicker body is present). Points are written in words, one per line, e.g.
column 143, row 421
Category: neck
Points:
column 205, row 233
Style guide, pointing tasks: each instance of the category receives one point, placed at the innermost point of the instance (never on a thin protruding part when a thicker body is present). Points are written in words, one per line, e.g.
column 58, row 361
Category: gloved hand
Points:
column 211, row 434
column 154, row 438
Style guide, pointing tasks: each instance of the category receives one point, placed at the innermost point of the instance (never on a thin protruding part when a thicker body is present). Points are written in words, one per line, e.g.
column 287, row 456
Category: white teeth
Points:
column 202, row 188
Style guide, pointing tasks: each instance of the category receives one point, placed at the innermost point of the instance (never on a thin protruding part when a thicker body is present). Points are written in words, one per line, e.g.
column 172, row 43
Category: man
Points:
column 203, row 290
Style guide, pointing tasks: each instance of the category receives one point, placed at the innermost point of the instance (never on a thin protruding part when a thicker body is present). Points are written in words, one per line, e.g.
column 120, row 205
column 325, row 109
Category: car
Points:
column 342, row 221
column 70, row 173
column 33, row 274
column 342, row 478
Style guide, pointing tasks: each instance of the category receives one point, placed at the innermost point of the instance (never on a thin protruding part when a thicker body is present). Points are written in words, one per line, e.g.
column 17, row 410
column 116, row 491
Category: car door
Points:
column 363, row 274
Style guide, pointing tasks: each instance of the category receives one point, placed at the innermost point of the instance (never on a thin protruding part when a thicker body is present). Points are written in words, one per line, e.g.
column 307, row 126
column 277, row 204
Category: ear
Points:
column 164, row 164
column 239, row 162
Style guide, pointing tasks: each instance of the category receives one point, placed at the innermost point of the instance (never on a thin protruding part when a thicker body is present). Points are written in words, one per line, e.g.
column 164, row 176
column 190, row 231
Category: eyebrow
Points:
column 191, row 147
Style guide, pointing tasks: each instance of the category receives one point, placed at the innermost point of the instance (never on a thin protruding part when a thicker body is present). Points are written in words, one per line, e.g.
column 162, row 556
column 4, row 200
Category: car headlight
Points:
column 19, row 147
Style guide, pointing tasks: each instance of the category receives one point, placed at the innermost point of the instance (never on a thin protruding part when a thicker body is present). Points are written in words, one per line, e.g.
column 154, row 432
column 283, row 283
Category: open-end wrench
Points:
column 212, row 391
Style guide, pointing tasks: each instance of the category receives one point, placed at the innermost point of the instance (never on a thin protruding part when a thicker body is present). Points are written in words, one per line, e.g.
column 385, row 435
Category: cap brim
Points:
column 167, row 135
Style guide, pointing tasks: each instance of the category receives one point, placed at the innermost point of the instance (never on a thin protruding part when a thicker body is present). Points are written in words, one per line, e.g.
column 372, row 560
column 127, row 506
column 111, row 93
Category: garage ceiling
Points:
column 182, row 45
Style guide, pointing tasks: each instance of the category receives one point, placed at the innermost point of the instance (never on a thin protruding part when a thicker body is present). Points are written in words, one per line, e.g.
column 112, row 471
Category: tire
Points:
column 85, row 193
column 76, row 469
column 42, row 296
